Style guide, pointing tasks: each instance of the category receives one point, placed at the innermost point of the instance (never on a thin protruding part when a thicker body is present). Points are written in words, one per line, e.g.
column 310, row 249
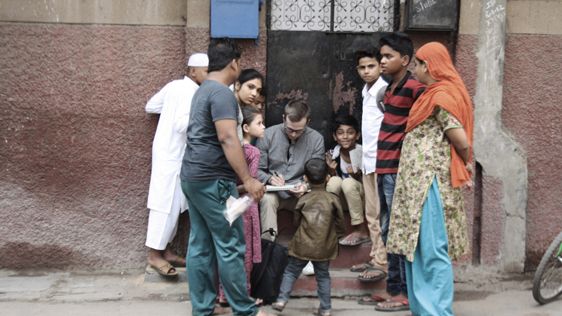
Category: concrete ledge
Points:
column 344, row 284
column 136, row 12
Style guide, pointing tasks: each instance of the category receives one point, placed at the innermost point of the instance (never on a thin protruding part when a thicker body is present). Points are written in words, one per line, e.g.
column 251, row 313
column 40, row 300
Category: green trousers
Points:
column 214, row 245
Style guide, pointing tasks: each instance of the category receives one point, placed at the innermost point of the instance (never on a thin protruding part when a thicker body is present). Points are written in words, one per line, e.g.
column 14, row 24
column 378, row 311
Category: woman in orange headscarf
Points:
column 428, row 222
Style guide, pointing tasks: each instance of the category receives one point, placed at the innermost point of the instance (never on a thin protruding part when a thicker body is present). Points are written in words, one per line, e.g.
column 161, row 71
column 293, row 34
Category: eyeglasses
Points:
column 293, row 131
column 289, row 130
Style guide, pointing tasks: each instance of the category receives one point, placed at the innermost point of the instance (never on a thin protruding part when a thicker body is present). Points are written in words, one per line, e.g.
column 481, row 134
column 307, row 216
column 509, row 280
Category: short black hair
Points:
column 249, row 74
column 221, row 52
column 315, row 170
column 400, row 42
column 345, row 119
column 371, row 52
column 296, row 110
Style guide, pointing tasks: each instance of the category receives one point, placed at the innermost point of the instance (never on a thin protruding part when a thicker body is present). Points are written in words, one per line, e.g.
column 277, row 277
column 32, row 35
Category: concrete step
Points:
column 344, row 283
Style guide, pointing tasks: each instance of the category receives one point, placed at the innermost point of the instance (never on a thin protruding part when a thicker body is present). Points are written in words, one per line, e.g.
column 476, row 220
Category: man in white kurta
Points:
column 165, row 198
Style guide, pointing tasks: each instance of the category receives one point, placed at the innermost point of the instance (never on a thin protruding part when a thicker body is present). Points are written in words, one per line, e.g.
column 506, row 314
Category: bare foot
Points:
column 219, row 310
column 353, row 239
column 393, row 304
column 161, row 266
column 362, row 230
column 173, row 258
column 262, row 312
column 373, row 274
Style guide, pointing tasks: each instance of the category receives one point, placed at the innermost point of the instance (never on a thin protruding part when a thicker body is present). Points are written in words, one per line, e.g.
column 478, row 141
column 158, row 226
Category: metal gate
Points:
column 310, row 54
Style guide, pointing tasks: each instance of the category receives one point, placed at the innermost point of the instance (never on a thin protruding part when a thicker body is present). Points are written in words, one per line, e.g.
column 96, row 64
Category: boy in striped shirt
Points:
column 403, row 90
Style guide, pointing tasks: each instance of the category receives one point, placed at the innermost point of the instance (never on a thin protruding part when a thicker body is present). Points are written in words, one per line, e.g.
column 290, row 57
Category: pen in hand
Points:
column 277, row 179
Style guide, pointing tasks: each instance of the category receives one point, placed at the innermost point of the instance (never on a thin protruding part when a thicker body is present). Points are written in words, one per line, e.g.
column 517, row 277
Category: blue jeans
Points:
column 212, row 242
column 323, row 282
column 396, row 279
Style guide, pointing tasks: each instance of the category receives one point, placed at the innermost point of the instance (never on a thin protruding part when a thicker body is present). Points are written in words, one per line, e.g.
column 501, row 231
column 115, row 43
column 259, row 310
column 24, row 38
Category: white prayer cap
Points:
column 198, row 60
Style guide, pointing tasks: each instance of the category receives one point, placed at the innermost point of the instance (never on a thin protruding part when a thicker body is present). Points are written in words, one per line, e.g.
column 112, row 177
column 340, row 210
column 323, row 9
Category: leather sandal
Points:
column 373, row 274
column 361, row 267
column 166, row 270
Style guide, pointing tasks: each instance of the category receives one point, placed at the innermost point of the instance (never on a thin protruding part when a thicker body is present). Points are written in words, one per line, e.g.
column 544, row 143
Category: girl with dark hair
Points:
column 252, row 127
column 248, row 88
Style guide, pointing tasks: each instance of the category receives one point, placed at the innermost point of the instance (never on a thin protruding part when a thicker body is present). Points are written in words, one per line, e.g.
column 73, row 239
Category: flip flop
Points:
column 166, row 270
column 375, row 278
column 371, row 300
column 403, row 305
column 361, row 267
column 348, row 241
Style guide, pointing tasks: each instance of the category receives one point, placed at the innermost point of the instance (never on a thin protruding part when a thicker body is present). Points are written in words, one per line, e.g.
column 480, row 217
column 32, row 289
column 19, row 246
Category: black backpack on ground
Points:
column 267, row 275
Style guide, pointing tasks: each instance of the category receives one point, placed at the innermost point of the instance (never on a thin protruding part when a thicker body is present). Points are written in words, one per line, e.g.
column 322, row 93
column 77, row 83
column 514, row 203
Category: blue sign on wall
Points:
column 235, row 18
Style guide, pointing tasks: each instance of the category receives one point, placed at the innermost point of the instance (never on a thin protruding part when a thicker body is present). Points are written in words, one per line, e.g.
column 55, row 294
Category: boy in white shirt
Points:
column 368, row 67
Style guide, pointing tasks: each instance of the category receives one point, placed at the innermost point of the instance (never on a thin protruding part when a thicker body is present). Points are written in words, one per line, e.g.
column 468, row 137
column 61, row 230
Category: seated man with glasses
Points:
column 285, row 148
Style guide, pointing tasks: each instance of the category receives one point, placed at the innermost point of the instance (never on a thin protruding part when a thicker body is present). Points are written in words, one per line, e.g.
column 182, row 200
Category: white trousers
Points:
column 162, row 227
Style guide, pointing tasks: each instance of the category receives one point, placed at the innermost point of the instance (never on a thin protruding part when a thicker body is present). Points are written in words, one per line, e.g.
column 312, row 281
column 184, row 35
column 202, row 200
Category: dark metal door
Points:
column 317, row 66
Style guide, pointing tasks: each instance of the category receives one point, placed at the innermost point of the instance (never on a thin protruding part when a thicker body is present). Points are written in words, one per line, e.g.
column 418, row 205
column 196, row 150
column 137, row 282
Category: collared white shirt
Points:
column 371, row 124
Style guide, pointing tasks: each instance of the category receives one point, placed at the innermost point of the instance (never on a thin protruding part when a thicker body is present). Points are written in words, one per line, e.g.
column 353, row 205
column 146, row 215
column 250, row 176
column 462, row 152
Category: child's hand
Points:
column 332, row 164
column 350, row 169
column 300, row 190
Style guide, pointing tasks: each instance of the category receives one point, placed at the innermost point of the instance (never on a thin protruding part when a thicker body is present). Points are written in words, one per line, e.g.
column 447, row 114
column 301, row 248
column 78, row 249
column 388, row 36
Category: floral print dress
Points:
column 426, row 155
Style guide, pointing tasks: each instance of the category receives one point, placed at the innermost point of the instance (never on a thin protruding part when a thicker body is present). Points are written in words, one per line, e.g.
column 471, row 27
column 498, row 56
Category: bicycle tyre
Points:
column 547, row 267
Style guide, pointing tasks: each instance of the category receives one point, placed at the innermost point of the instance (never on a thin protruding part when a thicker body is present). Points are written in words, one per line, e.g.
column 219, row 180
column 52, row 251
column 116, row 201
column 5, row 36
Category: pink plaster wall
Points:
column 531, row 111
column 531, row 103
column 75, row 140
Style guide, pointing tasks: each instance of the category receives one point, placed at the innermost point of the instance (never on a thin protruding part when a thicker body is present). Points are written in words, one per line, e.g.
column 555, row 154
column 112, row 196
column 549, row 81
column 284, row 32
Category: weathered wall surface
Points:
column 531, row 111
column 75, row 140
column 530, row 76
column 75, row 149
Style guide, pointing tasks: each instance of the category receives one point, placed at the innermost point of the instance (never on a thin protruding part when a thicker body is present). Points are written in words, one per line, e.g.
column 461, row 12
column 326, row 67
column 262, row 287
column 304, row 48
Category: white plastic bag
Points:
column 236, row 207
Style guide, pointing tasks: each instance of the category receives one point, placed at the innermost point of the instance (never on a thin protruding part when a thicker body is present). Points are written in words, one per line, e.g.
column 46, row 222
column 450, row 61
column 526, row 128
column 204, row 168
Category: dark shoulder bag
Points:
column 267, row 275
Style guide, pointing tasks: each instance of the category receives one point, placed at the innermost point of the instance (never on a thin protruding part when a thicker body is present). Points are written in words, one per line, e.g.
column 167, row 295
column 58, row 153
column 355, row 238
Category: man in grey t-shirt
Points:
column 284, row 150
column 204, row 158
column 212, row 160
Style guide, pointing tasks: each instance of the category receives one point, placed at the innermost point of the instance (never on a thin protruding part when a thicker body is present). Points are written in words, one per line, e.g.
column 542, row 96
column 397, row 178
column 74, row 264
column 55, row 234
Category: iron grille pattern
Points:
column 333, row 15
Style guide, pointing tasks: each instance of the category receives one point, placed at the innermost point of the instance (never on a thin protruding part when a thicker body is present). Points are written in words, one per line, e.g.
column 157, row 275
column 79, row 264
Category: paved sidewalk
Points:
column 127, row 294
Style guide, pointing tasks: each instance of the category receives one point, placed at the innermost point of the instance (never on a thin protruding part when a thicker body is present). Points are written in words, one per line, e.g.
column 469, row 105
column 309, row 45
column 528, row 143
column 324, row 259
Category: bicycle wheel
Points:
column 547, row 283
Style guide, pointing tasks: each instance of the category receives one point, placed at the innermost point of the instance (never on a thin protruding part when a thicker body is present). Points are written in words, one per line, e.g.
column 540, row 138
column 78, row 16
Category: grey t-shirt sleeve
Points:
column 223, row 105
